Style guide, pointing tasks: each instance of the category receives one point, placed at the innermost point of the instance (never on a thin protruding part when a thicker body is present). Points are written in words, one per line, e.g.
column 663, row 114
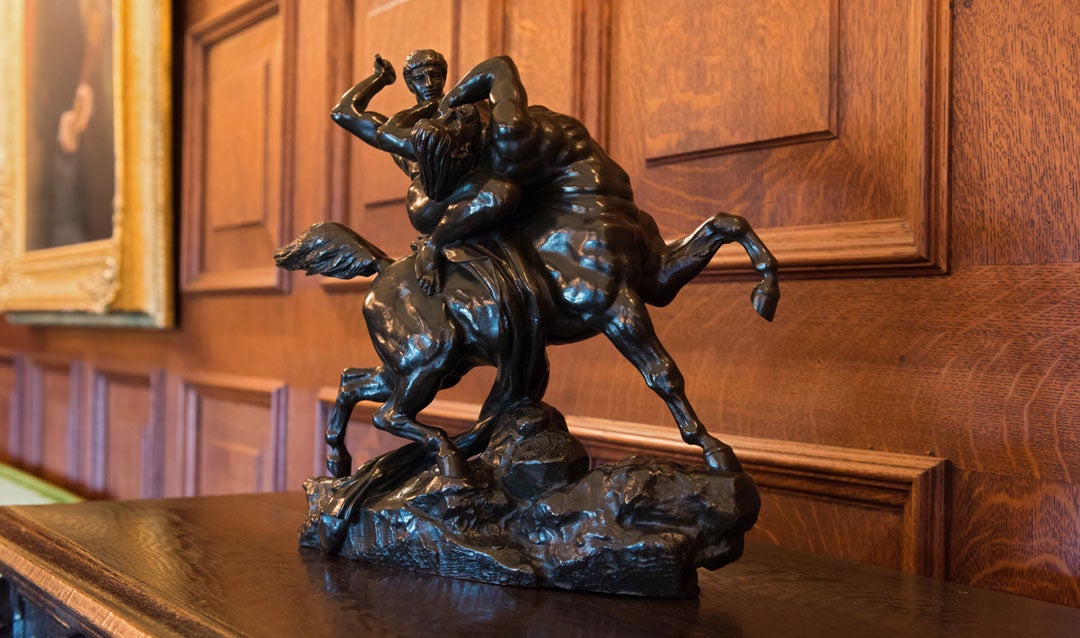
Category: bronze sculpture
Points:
column 530, row 237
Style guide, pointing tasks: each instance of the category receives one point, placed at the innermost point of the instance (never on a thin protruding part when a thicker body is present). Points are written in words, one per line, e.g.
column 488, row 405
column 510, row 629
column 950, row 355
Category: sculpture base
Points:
column 531, row 514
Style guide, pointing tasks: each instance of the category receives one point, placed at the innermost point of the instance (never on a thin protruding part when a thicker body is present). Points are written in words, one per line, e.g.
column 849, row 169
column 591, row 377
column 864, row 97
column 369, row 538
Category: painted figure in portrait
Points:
column 70, row 142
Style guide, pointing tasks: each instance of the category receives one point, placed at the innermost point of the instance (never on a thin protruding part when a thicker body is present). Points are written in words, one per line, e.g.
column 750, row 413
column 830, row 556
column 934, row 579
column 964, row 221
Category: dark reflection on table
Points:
column 415, row 604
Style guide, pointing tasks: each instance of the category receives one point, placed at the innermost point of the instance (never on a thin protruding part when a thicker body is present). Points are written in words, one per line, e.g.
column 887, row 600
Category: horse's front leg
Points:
column 413, row 391
column 357, row 384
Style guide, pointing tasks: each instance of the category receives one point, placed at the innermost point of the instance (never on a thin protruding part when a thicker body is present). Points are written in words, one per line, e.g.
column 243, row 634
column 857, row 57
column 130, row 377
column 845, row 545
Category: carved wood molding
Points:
column 269, row 393
column 912, row 487
column 151, row 443
column 277, row 189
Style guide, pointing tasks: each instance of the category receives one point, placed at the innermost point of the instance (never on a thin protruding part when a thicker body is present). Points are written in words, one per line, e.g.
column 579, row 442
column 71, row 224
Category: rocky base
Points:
column 531, row 514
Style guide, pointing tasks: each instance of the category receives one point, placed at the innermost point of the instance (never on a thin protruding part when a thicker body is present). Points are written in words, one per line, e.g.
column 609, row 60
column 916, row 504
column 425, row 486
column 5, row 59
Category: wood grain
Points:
column 979, row 368
column 230, row 566
column 544, row 37
column 54, row 413
column 1030, row 529
column 1016, row 153
column 775, row 83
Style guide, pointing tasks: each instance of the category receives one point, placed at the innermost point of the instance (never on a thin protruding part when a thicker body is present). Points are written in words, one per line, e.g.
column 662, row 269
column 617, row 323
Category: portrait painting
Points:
column 71, row 177
column 85, row 178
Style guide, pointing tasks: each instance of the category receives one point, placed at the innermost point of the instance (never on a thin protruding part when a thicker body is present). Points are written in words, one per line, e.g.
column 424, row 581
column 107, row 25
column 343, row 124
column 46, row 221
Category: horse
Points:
column 495, row 308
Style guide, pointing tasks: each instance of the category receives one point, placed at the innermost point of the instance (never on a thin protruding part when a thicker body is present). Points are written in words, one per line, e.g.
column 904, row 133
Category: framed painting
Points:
column 86, row 226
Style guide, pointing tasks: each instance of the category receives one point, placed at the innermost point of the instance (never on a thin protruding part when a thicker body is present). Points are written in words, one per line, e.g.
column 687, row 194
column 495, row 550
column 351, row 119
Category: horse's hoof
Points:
column 722, row 460
column 764, row 299
column 332, row 533
column 453, row 465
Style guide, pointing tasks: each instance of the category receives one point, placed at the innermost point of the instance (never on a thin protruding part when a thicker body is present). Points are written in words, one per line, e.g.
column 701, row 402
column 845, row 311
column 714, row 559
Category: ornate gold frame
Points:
column 126, row 279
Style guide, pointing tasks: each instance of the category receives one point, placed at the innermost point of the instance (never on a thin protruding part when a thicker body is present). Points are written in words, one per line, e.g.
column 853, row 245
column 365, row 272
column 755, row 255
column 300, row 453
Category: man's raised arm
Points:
column 351, row 111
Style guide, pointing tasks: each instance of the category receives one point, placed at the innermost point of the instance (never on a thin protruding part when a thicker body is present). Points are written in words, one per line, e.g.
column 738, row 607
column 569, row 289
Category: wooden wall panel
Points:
column 52, row 446
column 1016, row 535
column 126, row 451
column 11, row 389
column 233, row 434
column 976, row 368
column 773, row 80
column 1015, row 167
column 543, row 40
column 839, row 163
column 238, row 124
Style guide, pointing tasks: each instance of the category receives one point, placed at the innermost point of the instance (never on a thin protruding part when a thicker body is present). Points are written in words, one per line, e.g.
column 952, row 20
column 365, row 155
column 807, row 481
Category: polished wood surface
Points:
column 976, row 368
column 231, row 566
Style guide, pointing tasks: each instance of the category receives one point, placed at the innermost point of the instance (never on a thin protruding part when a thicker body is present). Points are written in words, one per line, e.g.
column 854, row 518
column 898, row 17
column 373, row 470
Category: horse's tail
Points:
column 334, row 250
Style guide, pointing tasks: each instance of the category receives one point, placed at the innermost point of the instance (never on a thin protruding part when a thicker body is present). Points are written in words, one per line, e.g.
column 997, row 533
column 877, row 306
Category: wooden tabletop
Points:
column 231, row 566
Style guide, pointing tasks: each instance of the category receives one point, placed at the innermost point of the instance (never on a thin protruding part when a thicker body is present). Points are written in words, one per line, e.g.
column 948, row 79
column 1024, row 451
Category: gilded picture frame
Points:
column 121, row 270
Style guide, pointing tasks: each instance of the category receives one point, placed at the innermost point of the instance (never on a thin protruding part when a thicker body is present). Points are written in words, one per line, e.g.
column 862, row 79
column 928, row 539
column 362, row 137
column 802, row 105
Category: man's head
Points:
column 425, row 74
column 447, row 147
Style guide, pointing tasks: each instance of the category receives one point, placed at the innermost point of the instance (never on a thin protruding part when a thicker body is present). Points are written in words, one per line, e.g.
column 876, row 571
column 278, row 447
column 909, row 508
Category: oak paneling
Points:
column 11, row 389
column 1016, row 535
column 54, row 433
column 543, row 40
column 773, row 81
column 233, row 434
column 1016, row 157
column 238, row 147
column 127, row 432
column 867, row 97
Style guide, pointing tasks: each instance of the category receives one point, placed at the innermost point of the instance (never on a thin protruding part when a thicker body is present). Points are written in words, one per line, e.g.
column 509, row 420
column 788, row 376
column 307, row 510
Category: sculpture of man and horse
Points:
column 530, row 237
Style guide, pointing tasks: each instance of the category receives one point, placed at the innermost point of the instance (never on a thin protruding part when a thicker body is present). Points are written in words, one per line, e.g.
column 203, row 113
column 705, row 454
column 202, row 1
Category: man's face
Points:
column 427, row 82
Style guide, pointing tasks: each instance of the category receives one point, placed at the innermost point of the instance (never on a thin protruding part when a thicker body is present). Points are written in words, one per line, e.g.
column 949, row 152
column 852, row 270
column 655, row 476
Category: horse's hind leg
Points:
column 414, row 391
column 630, row 330
column 684, row 259
column 357, row 384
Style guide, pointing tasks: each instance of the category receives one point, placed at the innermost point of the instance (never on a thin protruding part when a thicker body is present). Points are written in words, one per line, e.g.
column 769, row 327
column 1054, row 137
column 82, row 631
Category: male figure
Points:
column 425, row 75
